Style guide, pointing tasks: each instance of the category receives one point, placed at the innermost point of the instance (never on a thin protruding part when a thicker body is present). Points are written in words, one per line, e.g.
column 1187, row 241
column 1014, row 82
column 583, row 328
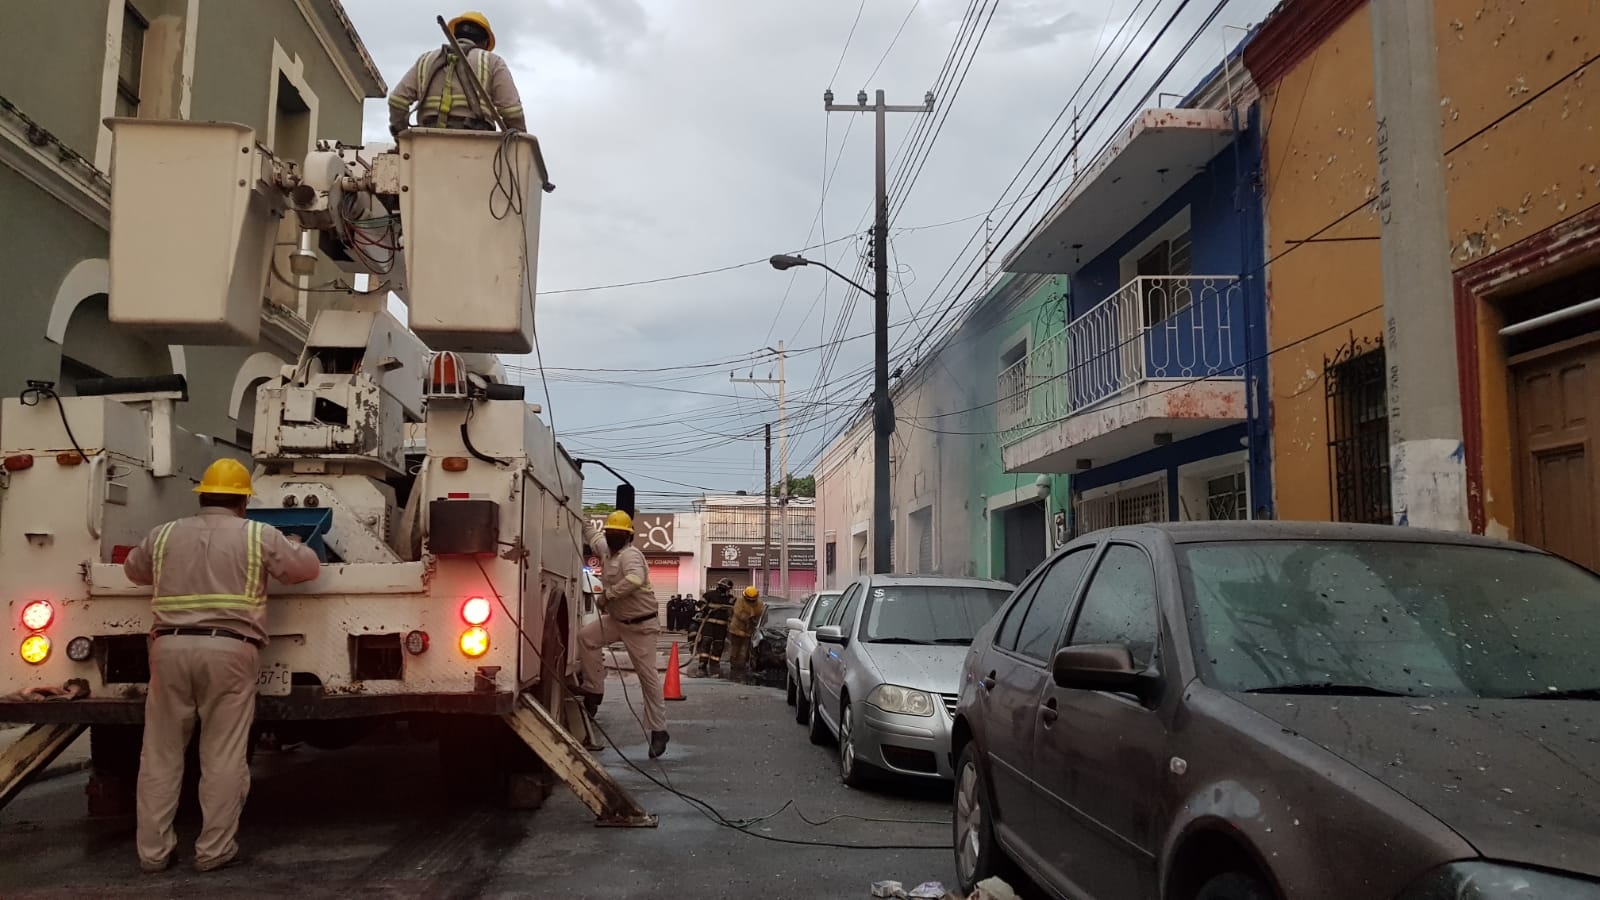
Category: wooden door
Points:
column 1556, row 404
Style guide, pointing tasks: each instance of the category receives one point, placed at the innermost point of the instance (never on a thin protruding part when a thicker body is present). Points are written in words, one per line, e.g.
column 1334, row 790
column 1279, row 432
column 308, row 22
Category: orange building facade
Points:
column 1519, row 105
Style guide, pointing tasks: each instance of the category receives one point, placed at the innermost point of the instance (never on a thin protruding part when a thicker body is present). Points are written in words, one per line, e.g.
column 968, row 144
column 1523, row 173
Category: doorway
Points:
column 1556, row 403
column 1023, row 530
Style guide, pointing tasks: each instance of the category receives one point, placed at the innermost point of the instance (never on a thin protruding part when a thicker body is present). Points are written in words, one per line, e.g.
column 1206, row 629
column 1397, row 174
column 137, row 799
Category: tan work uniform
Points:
column 446, row 102
column 746, row 616
column 629, row 614
column 210, row 575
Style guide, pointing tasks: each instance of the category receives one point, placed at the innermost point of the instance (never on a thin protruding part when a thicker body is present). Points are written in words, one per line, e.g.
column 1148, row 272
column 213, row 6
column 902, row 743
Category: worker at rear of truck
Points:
column 628, row 614
column 446, row 102
column 209, row 574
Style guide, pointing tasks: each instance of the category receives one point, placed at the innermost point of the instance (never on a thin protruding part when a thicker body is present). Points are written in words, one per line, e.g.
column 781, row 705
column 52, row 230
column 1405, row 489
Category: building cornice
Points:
column 363, row 84
column 55, row 168
column 1292, row 33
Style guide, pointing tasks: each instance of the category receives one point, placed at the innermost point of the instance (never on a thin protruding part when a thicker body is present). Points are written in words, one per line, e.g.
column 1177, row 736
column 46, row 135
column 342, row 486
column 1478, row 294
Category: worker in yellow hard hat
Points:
column 747, row 611
column 209, row 578
column 628, row 614
column 445, row 100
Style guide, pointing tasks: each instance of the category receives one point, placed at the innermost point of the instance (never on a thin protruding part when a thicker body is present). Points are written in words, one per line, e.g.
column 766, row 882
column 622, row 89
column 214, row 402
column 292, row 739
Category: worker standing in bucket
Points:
column 209, row 574
column 742, row 627
column 628, row 614
column 435, row 81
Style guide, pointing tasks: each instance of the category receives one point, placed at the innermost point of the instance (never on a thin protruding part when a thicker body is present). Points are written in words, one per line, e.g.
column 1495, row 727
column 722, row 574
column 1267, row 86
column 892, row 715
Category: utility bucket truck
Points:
column 447, row 517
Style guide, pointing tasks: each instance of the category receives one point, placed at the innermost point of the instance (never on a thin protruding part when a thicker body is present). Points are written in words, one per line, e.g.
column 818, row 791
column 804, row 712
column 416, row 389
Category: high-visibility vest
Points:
column 255, row 593
column 448, row 96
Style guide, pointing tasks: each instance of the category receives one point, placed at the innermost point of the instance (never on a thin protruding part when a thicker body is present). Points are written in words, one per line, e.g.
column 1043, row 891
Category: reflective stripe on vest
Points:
column 255, row 595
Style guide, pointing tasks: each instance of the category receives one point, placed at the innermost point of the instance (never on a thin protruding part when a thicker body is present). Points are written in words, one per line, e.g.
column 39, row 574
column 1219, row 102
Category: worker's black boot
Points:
column 591, row 703
column 658, row 743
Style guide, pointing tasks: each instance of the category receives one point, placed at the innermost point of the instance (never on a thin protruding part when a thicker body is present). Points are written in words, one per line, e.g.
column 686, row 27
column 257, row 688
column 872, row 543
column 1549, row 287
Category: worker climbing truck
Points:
column 447, row 517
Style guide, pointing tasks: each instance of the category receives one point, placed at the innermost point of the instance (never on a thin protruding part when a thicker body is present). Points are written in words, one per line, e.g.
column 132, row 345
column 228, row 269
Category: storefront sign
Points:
column 749, row 556
column 652, row 532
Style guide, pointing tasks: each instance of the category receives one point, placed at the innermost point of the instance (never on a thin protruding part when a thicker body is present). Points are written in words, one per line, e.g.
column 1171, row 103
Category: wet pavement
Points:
column 374, row 820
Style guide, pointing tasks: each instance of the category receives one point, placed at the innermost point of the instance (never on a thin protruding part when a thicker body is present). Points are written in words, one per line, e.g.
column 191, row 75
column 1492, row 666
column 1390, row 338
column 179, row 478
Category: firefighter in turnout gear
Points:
column 209, row 574
column 628, row 614
column 446, row 102
column 742, row 627
column 715, row 612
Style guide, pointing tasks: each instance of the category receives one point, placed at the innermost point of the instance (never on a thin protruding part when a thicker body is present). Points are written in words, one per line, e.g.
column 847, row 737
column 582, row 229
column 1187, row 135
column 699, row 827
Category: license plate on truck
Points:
column 274, row 680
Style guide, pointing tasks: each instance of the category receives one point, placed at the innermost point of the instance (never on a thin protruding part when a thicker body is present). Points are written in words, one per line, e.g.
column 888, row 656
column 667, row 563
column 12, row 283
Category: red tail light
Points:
column 36, row 616
column 475, row 611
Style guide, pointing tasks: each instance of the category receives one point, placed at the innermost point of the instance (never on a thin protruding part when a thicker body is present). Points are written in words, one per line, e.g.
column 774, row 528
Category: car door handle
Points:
column 987, row 683
column 1048, row 712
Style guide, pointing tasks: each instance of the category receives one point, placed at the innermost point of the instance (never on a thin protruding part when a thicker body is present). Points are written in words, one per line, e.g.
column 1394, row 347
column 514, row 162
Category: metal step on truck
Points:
column 447, row 517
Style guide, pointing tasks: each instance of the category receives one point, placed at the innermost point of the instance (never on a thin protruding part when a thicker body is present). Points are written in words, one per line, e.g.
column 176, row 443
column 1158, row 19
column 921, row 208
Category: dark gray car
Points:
column 1282, row 710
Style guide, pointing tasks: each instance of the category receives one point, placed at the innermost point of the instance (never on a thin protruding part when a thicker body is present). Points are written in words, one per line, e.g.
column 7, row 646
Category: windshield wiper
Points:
column 1588, row 693
column 1331, row 688
column 898, row 640
column 962, row 642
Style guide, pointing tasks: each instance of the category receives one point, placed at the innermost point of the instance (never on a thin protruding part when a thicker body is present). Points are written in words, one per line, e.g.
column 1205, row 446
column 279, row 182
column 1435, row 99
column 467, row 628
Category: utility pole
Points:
column 882, row 406
column 783, row 465
column 1427, row 473
column 766, row 539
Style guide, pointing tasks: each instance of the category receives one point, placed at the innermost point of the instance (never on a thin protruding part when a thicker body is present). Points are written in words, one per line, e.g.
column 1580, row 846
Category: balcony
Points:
column 1163, row 355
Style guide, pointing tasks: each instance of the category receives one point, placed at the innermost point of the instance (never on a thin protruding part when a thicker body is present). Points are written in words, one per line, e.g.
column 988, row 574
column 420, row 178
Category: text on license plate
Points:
column 274, row 680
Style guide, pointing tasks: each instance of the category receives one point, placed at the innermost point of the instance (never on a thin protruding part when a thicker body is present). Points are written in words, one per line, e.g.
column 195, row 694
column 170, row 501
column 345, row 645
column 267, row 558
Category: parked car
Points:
column 772, row 637
column 1256, row 710
column 801, row 640
column 886, row 667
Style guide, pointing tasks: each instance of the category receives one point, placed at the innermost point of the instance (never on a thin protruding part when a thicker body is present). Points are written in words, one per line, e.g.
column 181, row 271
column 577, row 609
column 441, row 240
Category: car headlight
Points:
column 1494, row 881
column 905, row 701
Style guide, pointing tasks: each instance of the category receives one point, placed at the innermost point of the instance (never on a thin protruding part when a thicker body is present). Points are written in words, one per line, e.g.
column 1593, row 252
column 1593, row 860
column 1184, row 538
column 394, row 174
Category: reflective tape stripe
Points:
column 160, row 554
column 511, row 111
column 399, row 103
column 210, row 601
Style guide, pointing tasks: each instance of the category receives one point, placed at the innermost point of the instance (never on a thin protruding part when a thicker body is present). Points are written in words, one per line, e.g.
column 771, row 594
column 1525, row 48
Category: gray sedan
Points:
column 886, row 668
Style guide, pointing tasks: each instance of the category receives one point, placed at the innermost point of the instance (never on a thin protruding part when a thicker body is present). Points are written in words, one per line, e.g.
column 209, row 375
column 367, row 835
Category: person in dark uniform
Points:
column 716, row 611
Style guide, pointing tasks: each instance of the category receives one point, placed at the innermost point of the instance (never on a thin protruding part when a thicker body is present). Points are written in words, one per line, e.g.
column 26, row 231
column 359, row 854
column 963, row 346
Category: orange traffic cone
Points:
column 673, row 689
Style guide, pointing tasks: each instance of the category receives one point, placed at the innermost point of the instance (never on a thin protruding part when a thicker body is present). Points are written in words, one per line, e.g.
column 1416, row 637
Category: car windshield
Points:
column 930, row 614
column 777, row 615
column 1391, row 617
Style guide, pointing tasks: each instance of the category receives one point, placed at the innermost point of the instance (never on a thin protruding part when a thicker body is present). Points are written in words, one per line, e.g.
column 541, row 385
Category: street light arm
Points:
column 843, row 277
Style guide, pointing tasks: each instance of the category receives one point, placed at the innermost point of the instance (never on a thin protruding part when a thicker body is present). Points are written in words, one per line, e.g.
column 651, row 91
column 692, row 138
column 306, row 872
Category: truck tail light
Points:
column 417, row 643
column 35, row 649
column 474, row 642
column 79, row 649
column 454, row 464
column 19, row 462
column 475, row 611
column 36, row 616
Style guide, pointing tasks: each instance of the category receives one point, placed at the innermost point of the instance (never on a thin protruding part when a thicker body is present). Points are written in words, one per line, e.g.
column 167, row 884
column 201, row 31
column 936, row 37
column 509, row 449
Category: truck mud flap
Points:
column 31, row 753
column 567, row 758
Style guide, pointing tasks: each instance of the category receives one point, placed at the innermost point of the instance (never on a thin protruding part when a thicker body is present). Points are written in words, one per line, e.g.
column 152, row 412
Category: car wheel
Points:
column 789, row 690
column 852, row 771
column 978, row 855
column 1234, row 886
column 802, row 706
column 818, row 730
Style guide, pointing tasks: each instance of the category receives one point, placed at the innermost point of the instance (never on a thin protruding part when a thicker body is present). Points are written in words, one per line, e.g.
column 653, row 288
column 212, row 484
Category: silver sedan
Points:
column 886, row 668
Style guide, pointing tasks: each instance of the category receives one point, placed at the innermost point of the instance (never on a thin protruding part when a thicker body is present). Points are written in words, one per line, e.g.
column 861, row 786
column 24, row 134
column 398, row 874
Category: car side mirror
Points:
column 1103, row 667
column 830, row 634
column 795, row 625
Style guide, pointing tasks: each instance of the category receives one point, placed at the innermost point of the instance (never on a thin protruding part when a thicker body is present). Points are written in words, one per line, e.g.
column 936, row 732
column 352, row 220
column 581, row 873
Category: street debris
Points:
column 988, row 889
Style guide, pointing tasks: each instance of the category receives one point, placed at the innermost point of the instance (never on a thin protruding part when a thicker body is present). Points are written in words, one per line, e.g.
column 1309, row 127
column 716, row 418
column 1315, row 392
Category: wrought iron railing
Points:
column 1152, row 328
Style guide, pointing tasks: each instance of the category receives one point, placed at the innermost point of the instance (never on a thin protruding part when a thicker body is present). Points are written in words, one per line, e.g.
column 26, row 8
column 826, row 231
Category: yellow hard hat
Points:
column 619, row 521
column 751, row 592
column 477, row 18
column 225, row 476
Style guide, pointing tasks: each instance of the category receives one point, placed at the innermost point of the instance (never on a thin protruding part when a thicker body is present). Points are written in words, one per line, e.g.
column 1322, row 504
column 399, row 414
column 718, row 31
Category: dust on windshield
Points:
column 928, row 614
column 1393, row 617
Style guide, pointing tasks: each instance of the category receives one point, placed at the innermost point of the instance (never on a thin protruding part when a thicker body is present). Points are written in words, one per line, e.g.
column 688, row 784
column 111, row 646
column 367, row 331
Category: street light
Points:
column 785, row 261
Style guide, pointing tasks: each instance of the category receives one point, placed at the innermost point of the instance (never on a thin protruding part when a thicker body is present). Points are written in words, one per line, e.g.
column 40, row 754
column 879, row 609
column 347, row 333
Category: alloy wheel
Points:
column 847, row 747
column 969, row 822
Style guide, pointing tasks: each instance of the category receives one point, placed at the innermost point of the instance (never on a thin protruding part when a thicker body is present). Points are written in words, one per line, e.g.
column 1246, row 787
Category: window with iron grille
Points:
column 131, row 63
column 1227, row 498
column 1138, row 505
column 1358, row 431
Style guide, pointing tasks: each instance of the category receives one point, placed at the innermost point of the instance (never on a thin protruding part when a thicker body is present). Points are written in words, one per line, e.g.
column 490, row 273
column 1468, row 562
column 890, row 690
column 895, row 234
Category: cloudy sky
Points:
column 689, row 135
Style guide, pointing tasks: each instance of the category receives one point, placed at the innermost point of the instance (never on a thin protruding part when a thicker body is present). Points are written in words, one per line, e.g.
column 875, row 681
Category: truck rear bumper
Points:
column 301, row 704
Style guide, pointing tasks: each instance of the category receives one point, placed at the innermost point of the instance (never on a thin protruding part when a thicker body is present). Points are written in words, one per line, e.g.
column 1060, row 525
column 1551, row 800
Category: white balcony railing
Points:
column 1158, row 327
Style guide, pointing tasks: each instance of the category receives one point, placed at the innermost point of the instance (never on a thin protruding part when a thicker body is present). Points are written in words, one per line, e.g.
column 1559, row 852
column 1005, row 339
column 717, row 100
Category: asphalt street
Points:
column 374, row 820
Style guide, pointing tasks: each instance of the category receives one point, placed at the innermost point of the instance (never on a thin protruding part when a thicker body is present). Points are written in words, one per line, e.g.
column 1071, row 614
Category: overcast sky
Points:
column 687, row 135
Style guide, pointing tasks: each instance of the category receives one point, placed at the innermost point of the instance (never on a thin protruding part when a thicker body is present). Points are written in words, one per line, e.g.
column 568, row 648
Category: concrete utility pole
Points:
column 783, row 465
column 766, row 538
column 1427, row 470
column 882, row 406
